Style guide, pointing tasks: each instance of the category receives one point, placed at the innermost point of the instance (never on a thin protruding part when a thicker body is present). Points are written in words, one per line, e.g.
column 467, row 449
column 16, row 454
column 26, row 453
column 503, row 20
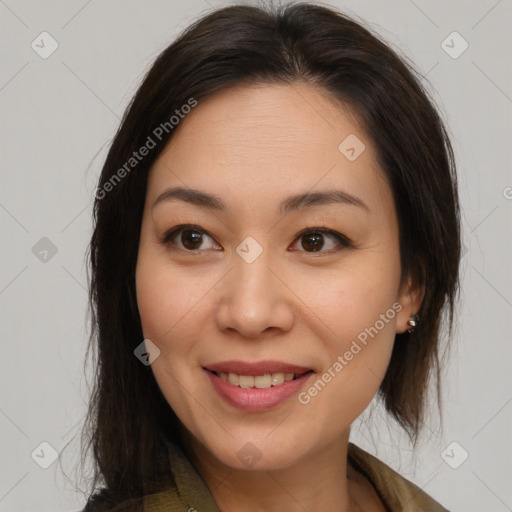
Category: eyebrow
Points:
column 295, row 202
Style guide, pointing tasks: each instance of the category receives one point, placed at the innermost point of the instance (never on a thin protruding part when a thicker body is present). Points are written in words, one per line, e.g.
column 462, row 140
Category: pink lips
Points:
column 253, row 399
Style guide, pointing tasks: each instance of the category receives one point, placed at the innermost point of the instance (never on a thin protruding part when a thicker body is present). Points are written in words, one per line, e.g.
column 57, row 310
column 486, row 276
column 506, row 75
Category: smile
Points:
column 259, row 381
column 256, row 386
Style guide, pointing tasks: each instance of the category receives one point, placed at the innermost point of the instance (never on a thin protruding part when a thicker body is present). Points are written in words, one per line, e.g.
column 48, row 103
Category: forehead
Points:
column 269, row 140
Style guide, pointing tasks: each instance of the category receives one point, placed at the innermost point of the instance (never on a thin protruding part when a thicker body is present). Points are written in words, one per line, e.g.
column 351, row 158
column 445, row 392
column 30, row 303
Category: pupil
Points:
column 191, row 239
column 313, row 242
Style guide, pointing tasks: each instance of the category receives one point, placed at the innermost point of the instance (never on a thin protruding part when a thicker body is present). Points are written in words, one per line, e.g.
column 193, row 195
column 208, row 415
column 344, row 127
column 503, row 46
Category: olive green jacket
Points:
column 192, row 495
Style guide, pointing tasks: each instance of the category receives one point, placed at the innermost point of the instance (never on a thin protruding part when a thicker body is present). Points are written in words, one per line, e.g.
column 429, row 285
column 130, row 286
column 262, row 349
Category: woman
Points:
column 276, row 240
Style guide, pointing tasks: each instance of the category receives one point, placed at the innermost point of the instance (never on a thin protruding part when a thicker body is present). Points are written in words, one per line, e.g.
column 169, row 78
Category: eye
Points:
column 189, row 238
column 314, row 240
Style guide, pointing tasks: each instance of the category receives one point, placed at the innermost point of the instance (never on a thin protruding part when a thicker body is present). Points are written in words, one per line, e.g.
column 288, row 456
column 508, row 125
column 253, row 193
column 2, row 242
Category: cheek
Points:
column 163, row 297
column 157, row 307
column 170, row 307
column 357, row 311
column 350, row 301
column 174, row 307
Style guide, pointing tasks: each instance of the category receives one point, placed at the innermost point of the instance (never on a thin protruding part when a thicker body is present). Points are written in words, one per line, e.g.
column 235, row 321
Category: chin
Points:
column 256, row 456
column 259, row 449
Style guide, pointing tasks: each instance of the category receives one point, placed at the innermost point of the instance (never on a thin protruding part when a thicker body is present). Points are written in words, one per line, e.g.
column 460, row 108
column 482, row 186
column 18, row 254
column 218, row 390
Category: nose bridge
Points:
column 253, row 280
column 253, row 299
column 253, row 287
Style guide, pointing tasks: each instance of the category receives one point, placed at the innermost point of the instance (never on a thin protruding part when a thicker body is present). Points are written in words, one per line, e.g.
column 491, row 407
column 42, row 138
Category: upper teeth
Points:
column 260, row 381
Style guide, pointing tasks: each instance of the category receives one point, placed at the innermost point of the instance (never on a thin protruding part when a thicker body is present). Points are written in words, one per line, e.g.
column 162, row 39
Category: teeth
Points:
column 277, row 378
column 261, row 381
column 232, row 378
column 246, row 381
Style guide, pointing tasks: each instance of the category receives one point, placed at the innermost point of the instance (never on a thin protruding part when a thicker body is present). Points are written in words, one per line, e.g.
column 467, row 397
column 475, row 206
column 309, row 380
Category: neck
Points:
column 319, row 482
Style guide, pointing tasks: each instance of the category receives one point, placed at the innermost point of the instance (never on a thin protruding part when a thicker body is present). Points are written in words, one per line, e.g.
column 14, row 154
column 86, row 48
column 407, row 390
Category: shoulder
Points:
column 166, row 500
column 398, row 493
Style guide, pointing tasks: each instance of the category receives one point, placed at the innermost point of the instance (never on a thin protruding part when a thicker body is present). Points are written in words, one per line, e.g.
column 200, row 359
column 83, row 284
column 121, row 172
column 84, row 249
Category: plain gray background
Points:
column 58, row 115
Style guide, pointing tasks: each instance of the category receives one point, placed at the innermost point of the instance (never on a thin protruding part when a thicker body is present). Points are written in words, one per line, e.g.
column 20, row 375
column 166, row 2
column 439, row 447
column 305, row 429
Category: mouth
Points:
column 264, row 381
column 257, row 386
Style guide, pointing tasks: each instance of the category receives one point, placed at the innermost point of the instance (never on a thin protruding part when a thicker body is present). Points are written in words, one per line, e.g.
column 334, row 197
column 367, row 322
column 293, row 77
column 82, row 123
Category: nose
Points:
column 254, row 301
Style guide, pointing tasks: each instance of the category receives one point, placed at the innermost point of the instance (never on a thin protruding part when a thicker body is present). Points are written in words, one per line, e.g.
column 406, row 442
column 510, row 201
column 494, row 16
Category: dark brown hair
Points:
column 128, row 418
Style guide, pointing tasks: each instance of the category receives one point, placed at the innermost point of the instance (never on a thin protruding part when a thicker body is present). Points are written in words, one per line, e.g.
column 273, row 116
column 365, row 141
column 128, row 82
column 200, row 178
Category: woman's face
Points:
column 288, row 266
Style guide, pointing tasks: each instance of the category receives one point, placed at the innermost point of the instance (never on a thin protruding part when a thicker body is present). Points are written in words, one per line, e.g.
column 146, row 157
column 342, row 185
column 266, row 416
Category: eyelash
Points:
column 344, row 242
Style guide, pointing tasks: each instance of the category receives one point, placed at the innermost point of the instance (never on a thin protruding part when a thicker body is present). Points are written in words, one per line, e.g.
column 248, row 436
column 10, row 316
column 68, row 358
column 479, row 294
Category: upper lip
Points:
column 256, row 368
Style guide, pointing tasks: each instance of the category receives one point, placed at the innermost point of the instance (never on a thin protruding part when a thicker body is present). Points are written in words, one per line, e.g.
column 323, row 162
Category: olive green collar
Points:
column 190, row 494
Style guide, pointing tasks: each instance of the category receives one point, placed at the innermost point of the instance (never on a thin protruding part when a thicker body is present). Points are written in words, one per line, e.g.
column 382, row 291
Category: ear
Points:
column 410, row 296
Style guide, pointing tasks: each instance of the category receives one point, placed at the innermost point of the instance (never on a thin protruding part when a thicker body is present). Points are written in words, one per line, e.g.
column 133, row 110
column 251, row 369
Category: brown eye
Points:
column 189, row 238
column 322, row 240
column 313, row 242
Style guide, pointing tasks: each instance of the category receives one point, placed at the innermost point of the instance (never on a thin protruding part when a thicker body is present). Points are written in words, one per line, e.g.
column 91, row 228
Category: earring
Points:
column 413, row 322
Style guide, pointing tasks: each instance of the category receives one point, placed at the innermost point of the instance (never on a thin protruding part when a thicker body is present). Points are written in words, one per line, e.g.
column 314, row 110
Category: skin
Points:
column 253, row 146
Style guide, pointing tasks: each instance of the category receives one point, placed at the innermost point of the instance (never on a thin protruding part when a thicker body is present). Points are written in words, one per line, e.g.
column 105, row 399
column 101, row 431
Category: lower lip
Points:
column 254, row 399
